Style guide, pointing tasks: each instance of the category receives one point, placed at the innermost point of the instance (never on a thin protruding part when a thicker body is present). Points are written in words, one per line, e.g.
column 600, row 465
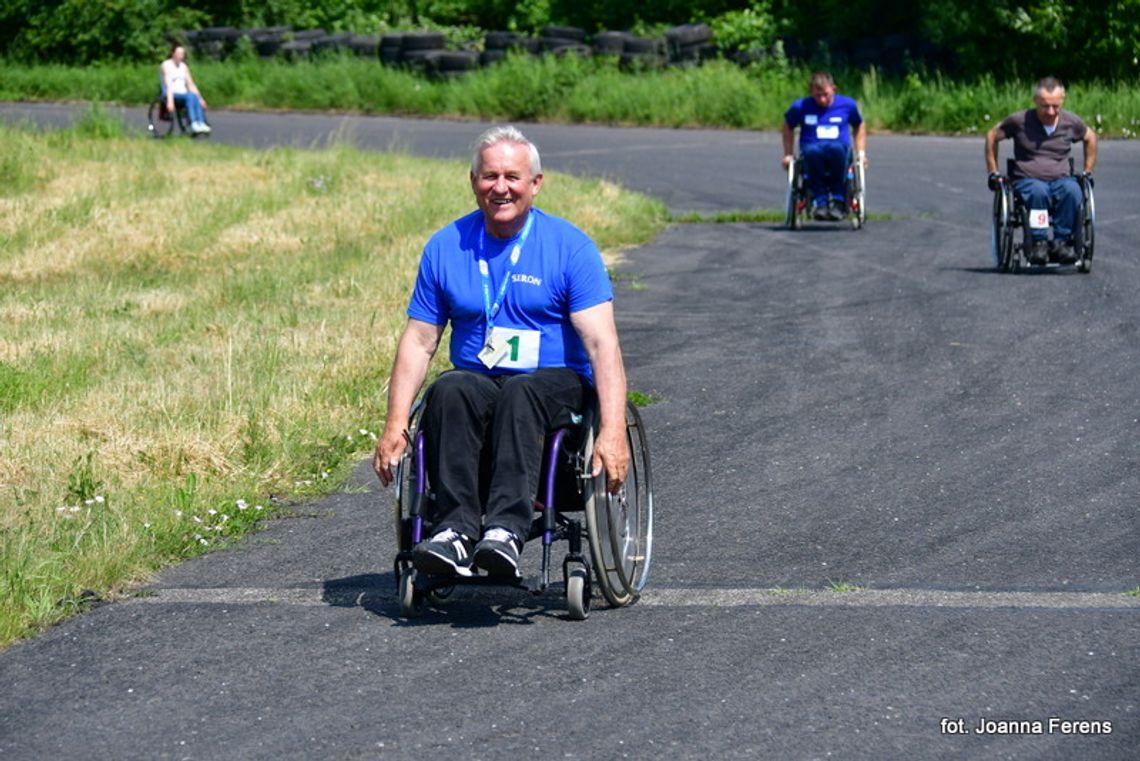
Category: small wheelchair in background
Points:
column 1011, row 250
column 161, row 122
column 798, row 198
column 611, row 548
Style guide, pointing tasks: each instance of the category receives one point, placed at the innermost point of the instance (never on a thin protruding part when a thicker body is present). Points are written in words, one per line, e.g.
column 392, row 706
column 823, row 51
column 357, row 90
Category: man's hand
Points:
column 787, row 160
column 1088, row 176
column 994, row 181
column 611, row 453
column 389, row 450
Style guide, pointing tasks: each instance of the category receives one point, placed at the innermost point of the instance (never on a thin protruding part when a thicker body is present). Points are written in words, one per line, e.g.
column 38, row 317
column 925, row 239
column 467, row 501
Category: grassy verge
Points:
column 718, row 94
column 193, row 333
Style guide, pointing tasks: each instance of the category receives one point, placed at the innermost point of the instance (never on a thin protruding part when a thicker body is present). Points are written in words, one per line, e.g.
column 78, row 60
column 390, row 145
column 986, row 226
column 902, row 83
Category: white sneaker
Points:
column 203, row 127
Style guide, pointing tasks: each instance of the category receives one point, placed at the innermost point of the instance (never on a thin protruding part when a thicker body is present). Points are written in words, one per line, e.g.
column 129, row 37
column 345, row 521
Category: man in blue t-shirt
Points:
column 533, row 338
column 828, row 124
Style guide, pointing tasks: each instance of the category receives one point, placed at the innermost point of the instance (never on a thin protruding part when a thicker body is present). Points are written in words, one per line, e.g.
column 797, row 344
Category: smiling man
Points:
column 533, row 338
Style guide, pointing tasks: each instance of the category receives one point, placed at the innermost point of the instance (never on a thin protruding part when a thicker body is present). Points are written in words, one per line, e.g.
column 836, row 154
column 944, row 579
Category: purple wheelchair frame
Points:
column 552, row 526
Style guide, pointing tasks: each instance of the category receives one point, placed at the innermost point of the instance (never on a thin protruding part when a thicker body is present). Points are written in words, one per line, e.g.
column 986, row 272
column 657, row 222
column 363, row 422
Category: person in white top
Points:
column 178, row 87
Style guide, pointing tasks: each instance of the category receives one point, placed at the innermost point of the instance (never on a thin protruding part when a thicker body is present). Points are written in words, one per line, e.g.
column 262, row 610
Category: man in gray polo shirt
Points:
column 1042, row 141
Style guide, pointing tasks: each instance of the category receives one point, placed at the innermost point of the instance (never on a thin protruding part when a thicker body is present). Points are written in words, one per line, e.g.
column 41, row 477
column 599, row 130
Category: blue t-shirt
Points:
column 818, row 124
column 559, row 271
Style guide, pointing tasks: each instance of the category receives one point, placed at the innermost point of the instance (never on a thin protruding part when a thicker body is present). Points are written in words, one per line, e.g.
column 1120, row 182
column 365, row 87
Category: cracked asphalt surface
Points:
column 875, row 409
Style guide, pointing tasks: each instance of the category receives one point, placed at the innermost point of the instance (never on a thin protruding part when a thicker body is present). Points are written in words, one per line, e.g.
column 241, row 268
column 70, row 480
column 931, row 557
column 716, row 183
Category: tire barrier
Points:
column 428, row 52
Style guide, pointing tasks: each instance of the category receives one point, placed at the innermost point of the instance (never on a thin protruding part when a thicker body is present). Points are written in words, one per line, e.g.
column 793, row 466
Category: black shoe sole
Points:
column 436, row 565
column 496, row 564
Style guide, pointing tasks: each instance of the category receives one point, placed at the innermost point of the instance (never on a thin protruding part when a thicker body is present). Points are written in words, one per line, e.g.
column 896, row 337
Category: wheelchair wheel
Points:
column 620, row 526
column 406, row 492
column 410, row 599
column 1001, row 238
column 406, row 509
column 578, row 594
column 856, row 196
column 793, row 218
column 161, row 123
column 1087, row 226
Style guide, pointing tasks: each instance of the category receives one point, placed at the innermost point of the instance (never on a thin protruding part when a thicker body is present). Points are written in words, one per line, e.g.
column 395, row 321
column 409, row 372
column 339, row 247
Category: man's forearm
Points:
column 610, row 382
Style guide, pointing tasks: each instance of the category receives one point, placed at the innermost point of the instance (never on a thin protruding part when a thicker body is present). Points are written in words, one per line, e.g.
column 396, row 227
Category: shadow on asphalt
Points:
column 470, row 608
column 1031, row 271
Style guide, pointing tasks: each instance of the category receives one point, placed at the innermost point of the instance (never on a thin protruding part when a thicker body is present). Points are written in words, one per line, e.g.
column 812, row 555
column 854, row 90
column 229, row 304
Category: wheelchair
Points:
column 160, row 122
column 798, row 197
column 1010, row 215
column 612, row 550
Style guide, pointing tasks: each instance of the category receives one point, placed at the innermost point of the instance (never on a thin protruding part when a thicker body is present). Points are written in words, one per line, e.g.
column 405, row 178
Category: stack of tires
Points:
column 301, row 45
column 690, row 43
column 497, row 45
column 643, row 53
column 565, row 40
column 214, row 43
column 268, row 40
column 363, row 45
column 330, row 43
column 449, row 64
column 610, row 43
column 417, row 49
column 391, row 49
column 426, row 53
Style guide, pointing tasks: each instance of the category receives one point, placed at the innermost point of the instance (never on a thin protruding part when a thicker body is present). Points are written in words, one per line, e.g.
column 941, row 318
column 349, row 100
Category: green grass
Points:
column 595, row 90
column 190, row 328
column 642, row 399
column 1134, row 592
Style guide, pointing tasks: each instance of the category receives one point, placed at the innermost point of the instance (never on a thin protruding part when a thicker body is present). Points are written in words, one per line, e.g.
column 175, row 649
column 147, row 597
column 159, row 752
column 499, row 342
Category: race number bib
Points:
column 511, row 349
column 1039, row 219
column 827, row 132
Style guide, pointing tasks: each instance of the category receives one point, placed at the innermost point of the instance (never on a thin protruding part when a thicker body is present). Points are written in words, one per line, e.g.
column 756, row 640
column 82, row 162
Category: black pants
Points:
column 492, row 426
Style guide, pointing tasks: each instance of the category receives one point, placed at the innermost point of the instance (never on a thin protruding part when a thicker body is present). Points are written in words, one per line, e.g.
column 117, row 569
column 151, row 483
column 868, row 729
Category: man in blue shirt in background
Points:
column 533, row 338
column 828, row 124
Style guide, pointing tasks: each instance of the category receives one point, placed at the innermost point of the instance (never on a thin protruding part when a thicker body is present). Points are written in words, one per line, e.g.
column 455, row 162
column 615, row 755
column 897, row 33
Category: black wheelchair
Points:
column 798, row 198
column 161, row 122
column 1010, row 215
column 612, row 550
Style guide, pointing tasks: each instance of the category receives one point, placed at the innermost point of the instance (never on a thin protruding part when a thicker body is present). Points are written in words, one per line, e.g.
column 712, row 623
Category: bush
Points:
column 80, row 31
column 753, row 28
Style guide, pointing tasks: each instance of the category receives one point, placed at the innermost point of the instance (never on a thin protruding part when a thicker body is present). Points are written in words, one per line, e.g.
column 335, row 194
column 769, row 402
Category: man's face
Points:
column 823, row 95
column 1049, row 105
column 504, row 187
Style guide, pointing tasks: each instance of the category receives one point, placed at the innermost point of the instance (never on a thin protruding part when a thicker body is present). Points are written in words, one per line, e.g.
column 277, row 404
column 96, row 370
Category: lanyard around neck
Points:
column 490, row 309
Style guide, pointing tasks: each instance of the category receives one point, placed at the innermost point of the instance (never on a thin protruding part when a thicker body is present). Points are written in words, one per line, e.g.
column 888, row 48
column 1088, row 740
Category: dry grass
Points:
column 188, row 326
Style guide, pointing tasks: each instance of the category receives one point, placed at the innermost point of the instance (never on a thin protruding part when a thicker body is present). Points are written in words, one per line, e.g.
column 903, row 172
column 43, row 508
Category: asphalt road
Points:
column 876, row 409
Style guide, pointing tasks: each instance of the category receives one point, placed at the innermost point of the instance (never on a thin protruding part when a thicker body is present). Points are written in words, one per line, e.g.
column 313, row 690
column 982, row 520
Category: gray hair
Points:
column 504, row 134
column 1049, row 84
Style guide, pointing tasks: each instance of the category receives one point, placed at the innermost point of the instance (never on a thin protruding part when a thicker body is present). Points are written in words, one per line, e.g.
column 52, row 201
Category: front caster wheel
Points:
column 409, row 599
column 578, row 594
